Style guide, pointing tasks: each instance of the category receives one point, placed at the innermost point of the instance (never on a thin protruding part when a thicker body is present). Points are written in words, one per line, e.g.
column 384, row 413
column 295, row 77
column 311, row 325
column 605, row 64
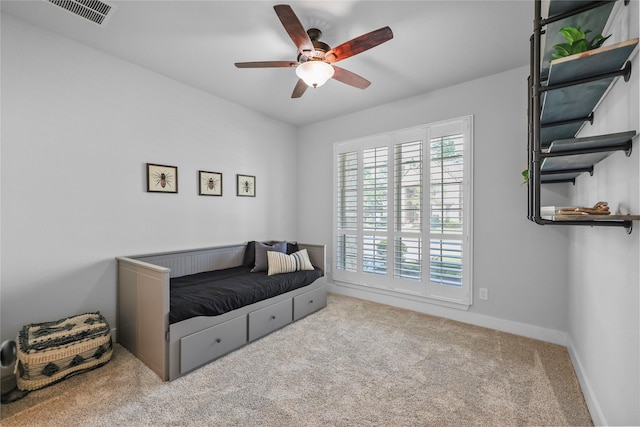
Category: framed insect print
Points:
column 162, row 178
column 210, row 183
column 246, row 185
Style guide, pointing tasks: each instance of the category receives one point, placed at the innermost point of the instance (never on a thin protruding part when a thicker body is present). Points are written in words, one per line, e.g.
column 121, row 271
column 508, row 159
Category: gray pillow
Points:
column 261, row 255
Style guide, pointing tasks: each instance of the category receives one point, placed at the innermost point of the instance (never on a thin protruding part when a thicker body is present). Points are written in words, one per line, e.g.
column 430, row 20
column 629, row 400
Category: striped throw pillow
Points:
column 283, row 263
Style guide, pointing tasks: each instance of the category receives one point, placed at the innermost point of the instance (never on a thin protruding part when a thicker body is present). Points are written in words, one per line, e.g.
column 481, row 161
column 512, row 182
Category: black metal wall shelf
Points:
column 625, row 221
column 563, row 95
column 568, row 158
column 576, row 84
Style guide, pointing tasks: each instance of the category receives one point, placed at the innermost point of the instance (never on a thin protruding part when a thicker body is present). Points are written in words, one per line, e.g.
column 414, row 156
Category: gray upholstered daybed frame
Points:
column 172, row 350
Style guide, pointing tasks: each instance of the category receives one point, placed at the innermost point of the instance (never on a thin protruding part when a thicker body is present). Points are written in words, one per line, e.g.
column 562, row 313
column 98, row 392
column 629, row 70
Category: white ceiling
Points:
column 436, row 44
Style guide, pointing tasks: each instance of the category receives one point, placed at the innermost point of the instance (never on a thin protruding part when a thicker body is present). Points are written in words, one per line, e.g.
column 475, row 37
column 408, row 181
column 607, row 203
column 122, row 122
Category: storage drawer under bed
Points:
column 204, row 346
column 309, row 302
column 268, row 319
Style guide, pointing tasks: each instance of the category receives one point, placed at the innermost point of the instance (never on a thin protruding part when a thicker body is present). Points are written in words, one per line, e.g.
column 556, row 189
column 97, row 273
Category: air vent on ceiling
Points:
column 93, row 10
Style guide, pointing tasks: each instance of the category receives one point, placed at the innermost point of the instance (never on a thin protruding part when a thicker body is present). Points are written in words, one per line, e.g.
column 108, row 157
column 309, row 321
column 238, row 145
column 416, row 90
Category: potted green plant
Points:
column 577, row 42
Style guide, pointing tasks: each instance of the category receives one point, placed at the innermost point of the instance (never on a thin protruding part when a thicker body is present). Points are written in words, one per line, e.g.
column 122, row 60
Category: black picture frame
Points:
column 245, row 185
column 209, row 183
column 162, row 178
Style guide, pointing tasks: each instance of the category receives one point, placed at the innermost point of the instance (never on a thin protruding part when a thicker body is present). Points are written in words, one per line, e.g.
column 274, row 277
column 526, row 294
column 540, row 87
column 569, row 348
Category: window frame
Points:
column 460, row 297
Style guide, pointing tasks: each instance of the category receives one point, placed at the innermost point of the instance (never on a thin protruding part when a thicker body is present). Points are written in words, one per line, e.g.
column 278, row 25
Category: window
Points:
column 403, row 211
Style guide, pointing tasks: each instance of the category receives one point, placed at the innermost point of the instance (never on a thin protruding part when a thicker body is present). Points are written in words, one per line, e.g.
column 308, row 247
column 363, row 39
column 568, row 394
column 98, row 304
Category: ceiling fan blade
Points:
column 301, row 86
column 267, row 64
column 352, row 79
column 359, row 44
column 294, row 28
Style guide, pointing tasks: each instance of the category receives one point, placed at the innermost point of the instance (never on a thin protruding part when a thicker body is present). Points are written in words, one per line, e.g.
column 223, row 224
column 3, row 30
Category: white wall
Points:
column 78, row 127
column 604, row 297
column 522, row 264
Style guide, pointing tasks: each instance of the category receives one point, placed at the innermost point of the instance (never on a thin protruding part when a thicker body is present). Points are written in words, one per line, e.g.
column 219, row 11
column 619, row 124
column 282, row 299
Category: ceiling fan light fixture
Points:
column 315, row 73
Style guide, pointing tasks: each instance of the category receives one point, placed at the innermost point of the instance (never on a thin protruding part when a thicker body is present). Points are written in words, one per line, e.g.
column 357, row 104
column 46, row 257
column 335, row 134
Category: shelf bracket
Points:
column 628, row 225
column 627, row 70
column 563, row 171
column 559, row 181
column 624, row 146
column 624, row 71
column 589, row 119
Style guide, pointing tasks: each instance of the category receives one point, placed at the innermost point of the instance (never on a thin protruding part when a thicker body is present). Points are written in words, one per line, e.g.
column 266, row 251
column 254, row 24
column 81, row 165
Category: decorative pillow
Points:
column 283, row 263
column 249, row 259
column 292, row 247
column 261, row 254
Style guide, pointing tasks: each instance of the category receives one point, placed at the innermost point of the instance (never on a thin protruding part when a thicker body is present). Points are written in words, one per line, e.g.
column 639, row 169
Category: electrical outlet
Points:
column 484, row 294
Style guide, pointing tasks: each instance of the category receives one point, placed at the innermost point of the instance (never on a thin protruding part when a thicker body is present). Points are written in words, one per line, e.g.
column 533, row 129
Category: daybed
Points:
column 174, row 333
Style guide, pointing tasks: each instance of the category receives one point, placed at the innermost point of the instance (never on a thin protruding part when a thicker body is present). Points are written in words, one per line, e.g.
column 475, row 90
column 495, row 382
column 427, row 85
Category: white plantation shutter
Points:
column 446, row 207
column 374, row 210
column 403, row 211
column 450, row 210
column 408, row 210
column 346, row 245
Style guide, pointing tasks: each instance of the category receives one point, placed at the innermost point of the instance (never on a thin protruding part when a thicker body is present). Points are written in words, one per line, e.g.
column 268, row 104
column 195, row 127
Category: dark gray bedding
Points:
column 217, row 292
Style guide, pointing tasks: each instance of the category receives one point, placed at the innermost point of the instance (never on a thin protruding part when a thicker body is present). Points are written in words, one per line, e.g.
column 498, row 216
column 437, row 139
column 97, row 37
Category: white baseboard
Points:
column 587, row 391
column 536, row 332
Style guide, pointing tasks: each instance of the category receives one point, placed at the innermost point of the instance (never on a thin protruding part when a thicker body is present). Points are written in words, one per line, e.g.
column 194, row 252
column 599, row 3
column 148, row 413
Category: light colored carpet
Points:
column 352, row 363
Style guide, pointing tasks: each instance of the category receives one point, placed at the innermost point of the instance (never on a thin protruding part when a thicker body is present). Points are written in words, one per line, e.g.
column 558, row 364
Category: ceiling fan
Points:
column 314, row 65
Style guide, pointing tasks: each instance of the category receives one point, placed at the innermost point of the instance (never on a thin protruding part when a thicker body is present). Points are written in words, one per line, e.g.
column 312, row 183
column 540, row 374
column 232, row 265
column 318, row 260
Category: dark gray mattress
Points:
column 217, row 292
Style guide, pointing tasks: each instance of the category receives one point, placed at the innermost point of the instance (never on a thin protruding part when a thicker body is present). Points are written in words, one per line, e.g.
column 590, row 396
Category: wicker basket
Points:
column 52, row 351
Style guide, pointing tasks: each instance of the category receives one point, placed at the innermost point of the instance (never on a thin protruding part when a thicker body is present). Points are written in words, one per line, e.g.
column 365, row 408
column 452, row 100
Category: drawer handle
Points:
column 310, row 301
column 273, row 317
column 218, row 340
